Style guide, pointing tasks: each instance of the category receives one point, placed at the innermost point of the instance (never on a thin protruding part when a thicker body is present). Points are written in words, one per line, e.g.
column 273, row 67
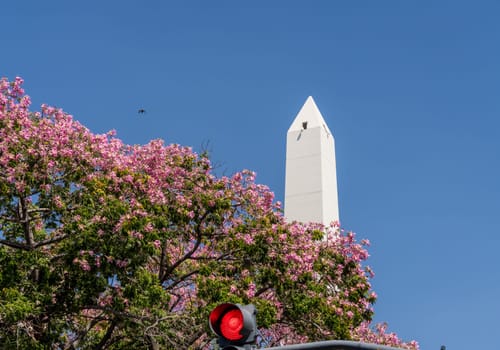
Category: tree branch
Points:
column 8, row 218
column 107, row 336
column 186, row 256
column 262, row 290
column 15, row 245
column 181, row 260
column 181, row 279
column 50, row 240
column 38, row 210
column 24, row 216
column 162, row 261
column 28, row 247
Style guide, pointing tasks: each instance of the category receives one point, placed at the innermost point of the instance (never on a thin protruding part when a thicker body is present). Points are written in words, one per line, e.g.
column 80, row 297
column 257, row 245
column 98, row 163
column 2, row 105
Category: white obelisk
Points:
column 311, row 175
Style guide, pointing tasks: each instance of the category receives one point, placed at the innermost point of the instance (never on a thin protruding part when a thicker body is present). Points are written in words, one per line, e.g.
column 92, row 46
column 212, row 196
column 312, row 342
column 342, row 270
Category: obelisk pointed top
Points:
column 309, row 116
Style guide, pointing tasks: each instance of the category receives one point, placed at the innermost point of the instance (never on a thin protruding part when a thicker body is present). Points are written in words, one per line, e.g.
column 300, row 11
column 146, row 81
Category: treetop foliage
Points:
column 105, row 245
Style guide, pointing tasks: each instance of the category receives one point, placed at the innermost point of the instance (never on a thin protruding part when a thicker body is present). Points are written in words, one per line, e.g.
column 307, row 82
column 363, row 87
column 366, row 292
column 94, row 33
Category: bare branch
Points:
column 24, row 216
column 8, row 218
column 50, row 240
column 38, row 210
column 107, row 336
column 16, row 245
column 190, row 252
column 182, row 278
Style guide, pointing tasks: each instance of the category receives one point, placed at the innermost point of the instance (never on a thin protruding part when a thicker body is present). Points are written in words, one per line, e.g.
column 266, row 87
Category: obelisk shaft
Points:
column 311, row 175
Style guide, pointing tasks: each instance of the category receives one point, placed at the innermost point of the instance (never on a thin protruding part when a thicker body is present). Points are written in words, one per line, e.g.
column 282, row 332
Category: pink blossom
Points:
column 251, row 290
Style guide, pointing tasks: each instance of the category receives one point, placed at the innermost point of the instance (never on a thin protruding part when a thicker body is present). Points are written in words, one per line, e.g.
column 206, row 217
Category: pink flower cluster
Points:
column 379, row 335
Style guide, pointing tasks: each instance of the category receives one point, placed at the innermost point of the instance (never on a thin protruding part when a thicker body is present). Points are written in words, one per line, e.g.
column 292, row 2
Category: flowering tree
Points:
column 109, row 246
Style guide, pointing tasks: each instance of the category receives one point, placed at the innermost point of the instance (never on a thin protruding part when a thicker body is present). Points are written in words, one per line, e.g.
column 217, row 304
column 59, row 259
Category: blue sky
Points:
column 410, row 90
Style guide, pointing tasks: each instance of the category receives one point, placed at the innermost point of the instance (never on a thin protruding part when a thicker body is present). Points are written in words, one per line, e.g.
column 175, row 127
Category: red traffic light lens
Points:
column 234, row 324
column 231, row 324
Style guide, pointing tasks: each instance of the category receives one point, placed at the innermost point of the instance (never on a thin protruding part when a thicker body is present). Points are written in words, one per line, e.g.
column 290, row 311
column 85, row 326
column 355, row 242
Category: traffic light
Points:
column 235, row 325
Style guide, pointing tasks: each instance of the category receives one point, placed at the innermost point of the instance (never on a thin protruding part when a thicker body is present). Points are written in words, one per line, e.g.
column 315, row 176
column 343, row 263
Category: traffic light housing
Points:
column 235, row 325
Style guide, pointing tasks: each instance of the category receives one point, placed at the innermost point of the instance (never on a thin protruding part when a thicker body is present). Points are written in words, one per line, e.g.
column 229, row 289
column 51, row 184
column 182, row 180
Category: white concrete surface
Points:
column 311, row 175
